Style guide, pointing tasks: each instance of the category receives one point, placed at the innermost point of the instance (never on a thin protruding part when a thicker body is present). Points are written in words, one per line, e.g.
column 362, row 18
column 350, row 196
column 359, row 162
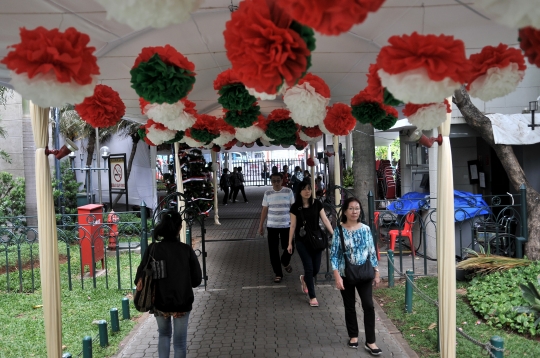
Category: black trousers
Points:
column 275, row 236
column 236, row 189
column 233, row 188
column 311, row 260
column 365, row 290
column 226, row 196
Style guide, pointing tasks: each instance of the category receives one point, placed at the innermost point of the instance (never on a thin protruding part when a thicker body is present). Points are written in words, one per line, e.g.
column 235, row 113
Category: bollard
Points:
column 103, row 335
column 67, row 355
column 115, row 324
column 497, row 342
column 520, row 241
column 409, row 291
column 87, row 347
column 390, row 255
column 125, row 308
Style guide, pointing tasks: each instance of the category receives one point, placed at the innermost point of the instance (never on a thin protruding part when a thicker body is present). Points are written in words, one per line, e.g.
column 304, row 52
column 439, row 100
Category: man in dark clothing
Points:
column 232, row 180
column 224, row 184
column 239, row 184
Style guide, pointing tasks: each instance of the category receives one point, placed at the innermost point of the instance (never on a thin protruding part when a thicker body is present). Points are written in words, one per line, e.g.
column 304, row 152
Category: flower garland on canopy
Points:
column 330, row 17
column 300, row 144
column 266, row 47
column 52, row 68
column 162, row 74
column 529, row 41
column 103, row 109
column 423, row 68
column 388, row 120
column 205, row 129
column 307, row 100
column 177, row 116
column 190, row 141
column 312, row 162
column 375, row 88
column 157, row 133
column 226, row 132
column 367, row 108
column 253, row 132
column 233, row 94
column 339, row 120
column 427, row 116
column 496, row 72
column 310, row 134
column 281, row 128
column 139, row 14
column 514, row 14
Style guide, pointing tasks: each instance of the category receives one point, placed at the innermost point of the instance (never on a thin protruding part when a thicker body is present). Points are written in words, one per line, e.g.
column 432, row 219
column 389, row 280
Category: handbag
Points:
column 313, row 239
column 143, row 299
column 355, row 274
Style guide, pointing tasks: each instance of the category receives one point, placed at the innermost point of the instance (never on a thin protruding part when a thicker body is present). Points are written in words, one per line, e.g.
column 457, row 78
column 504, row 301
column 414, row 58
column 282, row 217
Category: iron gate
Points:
column 257, row 172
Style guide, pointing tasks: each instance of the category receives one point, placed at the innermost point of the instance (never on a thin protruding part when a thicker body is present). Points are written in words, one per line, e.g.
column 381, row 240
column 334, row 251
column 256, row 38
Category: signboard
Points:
column 118, row 173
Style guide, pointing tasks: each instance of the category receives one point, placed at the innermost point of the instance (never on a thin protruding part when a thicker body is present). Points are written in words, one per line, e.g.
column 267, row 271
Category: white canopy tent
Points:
column 341, row 61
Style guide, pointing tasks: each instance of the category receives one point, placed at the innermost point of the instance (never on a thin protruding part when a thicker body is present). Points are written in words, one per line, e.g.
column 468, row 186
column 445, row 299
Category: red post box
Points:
column 90, row 217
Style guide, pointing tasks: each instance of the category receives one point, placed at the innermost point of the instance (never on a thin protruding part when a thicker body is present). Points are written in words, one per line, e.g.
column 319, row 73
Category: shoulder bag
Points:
column 355, row 274
column 313, row 239
column 153, row 270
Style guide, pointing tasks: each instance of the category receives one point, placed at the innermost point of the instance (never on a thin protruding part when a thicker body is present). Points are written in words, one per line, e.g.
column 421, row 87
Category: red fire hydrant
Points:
column 112, row 219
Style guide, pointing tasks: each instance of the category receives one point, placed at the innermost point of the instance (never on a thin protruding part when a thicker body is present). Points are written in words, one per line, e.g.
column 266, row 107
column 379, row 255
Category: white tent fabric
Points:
column 48, row 240
column 446, row 251
column 512, row 129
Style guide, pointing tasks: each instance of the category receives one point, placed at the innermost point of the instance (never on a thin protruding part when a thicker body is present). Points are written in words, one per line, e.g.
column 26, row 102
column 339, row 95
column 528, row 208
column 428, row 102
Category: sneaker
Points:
column 373, row 351
column 352, row 345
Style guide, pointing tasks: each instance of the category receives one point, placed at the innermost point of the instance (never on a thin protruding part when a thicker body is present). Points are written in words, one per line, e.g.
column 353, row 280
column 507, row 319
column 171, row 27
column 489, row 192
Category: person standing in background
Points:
column 232, row 179
column 286, row 177
column 225, row 184
column 239, row 185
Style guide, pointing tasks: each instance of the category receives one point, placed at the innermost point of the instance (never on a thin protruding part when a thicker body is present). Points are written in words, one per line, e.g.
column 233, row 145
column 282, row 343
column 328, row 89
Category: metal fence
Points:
column 257, row 172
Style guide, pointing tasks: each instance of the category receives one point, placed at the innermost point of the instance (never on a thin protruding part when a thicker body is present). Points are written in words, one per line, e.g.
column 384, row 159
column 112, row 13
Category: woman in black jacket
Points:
column 173, row 296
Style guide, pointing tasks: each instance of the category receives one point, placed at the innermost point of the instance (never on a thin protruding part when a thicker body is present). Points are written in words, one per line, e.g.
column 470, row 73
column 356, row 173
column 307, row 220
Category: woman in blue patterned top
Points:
column 359, row 247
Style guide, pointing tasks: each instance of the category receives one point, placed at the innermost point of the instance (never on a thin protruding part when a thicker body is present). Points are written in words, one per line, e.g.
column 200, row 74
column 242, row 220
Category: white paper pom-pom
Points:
column 139, row 14
column 224, row 138
column 497, row 82
column 308, row 108
column 158, row 136
column 249, row 134
column 311, row 140
column 265, row 142
column 263, row 96
column 515, row 13
column 323, row 129
column 192, row 142
column 171, row 116
column 429, row 117
column 415, row 86
column 46, row 91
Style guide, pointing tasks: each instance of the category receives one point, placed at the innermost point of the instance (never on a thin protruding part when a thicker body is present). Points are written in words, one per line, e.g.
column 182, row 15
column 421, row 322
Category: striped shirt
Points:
column 278, row 203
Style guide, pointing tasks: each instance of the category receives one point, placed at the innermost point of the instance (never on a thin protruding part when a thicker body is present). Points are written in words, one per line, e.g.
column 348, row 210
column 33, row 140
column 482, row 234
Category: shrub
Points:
column 495, row 295
column 12, row 195
column 348, row 178
column 70, row 188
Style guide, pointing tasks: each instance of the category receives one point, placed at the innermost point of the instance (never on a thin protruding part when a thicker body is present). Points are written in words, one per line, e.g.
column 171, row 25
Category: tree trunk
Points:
column 364, row 163
column 505, row 153
column 90, row 148
column 136, row 140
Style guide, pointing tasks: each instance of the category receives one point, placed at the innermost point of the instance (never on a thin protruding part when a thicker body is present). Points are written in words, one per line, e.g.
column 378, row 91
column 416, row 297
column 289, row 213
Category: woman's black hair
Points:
column 169, row 225
column 298, row 196
column 345, row 206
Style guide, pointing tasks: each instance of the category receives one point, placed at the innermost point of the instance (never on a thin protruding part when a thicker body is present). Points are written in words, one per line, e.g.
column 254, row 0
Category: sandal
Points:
column 314, row 303
column 277, row 279
column 303, row 287
column 288, row 269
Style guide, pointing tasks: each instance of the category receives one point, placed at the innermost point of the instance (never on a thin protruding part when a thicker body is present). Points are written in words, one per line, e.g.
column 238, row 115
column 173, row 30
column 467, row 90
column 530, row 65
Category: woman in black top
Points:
column 308, row 210
column 173, row 295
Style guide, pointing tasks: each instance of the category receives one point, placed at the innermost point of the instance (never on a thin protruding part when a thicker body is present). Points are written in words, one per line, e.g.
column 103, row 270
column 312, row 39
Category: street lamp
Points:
column 533, row 106
column 105, row 153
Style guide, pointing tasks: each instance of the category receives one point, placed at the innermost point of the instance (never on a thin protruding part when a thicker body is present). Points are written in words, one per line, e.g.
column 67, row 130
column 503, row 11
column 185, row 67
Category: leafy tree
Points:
column 4, row 93
column 70, row 188
column 12, row 195
column 381, row 152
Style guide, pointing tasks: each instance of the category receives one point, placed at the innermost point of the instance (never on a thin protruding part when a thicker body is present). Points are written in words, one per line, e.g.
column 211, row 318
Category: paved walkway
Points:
column 242, row 313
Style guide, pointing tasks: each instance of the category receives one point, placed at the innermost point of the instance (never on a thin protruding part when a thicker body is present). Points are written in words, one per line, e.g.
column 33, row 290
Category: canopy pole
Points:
column 445, row 243
column 337, row 176
column 214, row 176
column 312, row 171
column 179, row 187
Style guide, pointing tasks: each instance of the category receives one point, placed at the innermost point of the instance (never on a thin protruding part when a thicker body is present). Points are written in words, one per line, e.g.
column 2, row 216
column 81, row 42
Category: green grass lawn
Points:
column 22, row 333
column 420, row 331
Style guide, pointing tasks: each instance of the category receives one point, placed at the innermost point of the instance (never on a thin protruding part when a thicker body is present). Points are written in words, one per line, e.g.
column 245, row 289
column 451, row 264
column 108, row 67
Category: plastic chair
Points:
column 407, row 231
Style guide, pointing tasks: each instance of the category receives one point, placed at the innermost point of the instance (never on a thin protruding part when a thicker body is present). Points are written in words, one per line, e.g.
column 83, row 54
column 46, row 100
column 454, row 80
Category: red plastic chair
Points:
column 407, row 231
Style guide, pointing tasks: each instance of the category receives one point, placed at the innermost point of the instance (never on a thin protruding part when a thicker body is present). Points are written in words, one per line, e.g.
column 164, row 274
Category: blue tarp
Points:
column 466, row 205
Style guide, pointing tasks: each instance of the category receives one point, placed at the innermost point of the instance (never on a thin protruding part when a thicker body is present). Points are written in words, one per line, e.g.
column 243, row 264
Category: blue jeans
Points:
column 179, row 338
column 312, row 263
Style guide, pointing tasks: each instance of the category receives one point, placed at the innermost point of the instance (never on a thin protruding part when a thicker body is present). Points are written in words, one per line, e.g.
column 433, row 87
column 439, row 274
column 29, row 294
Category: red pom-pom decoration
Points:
column 104, row 109
column 264, row 51
column 330, row 17
column 225, row 78
column 529, row 41
column 423, row 68
column 427, row 116
column 52, row 68
column 339, row 119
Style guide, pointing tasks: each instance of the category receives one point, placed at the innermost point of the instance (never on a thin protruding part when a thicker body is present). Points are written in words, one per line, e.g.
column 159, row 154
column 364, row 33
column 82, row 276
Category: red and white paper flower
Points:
column 265, row 52
column 529, row 41
column 423, row 68
column 177, row 116
column 103, row 109
column 307, row 100
column 52, row 68
column 310, row 134
column 512, row 13
column 312, row 162
column 188, row 140
column 339, row 120
column 330, row 17
column 157, row 133
column 139, row 14
column 496, row 72
column 427, row 116
column 226, row 132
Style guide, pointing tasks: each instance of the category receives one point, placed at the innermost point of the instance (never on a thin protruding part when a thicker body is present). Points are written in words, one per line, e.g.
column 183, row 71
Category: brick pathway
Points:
column 242, row 313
